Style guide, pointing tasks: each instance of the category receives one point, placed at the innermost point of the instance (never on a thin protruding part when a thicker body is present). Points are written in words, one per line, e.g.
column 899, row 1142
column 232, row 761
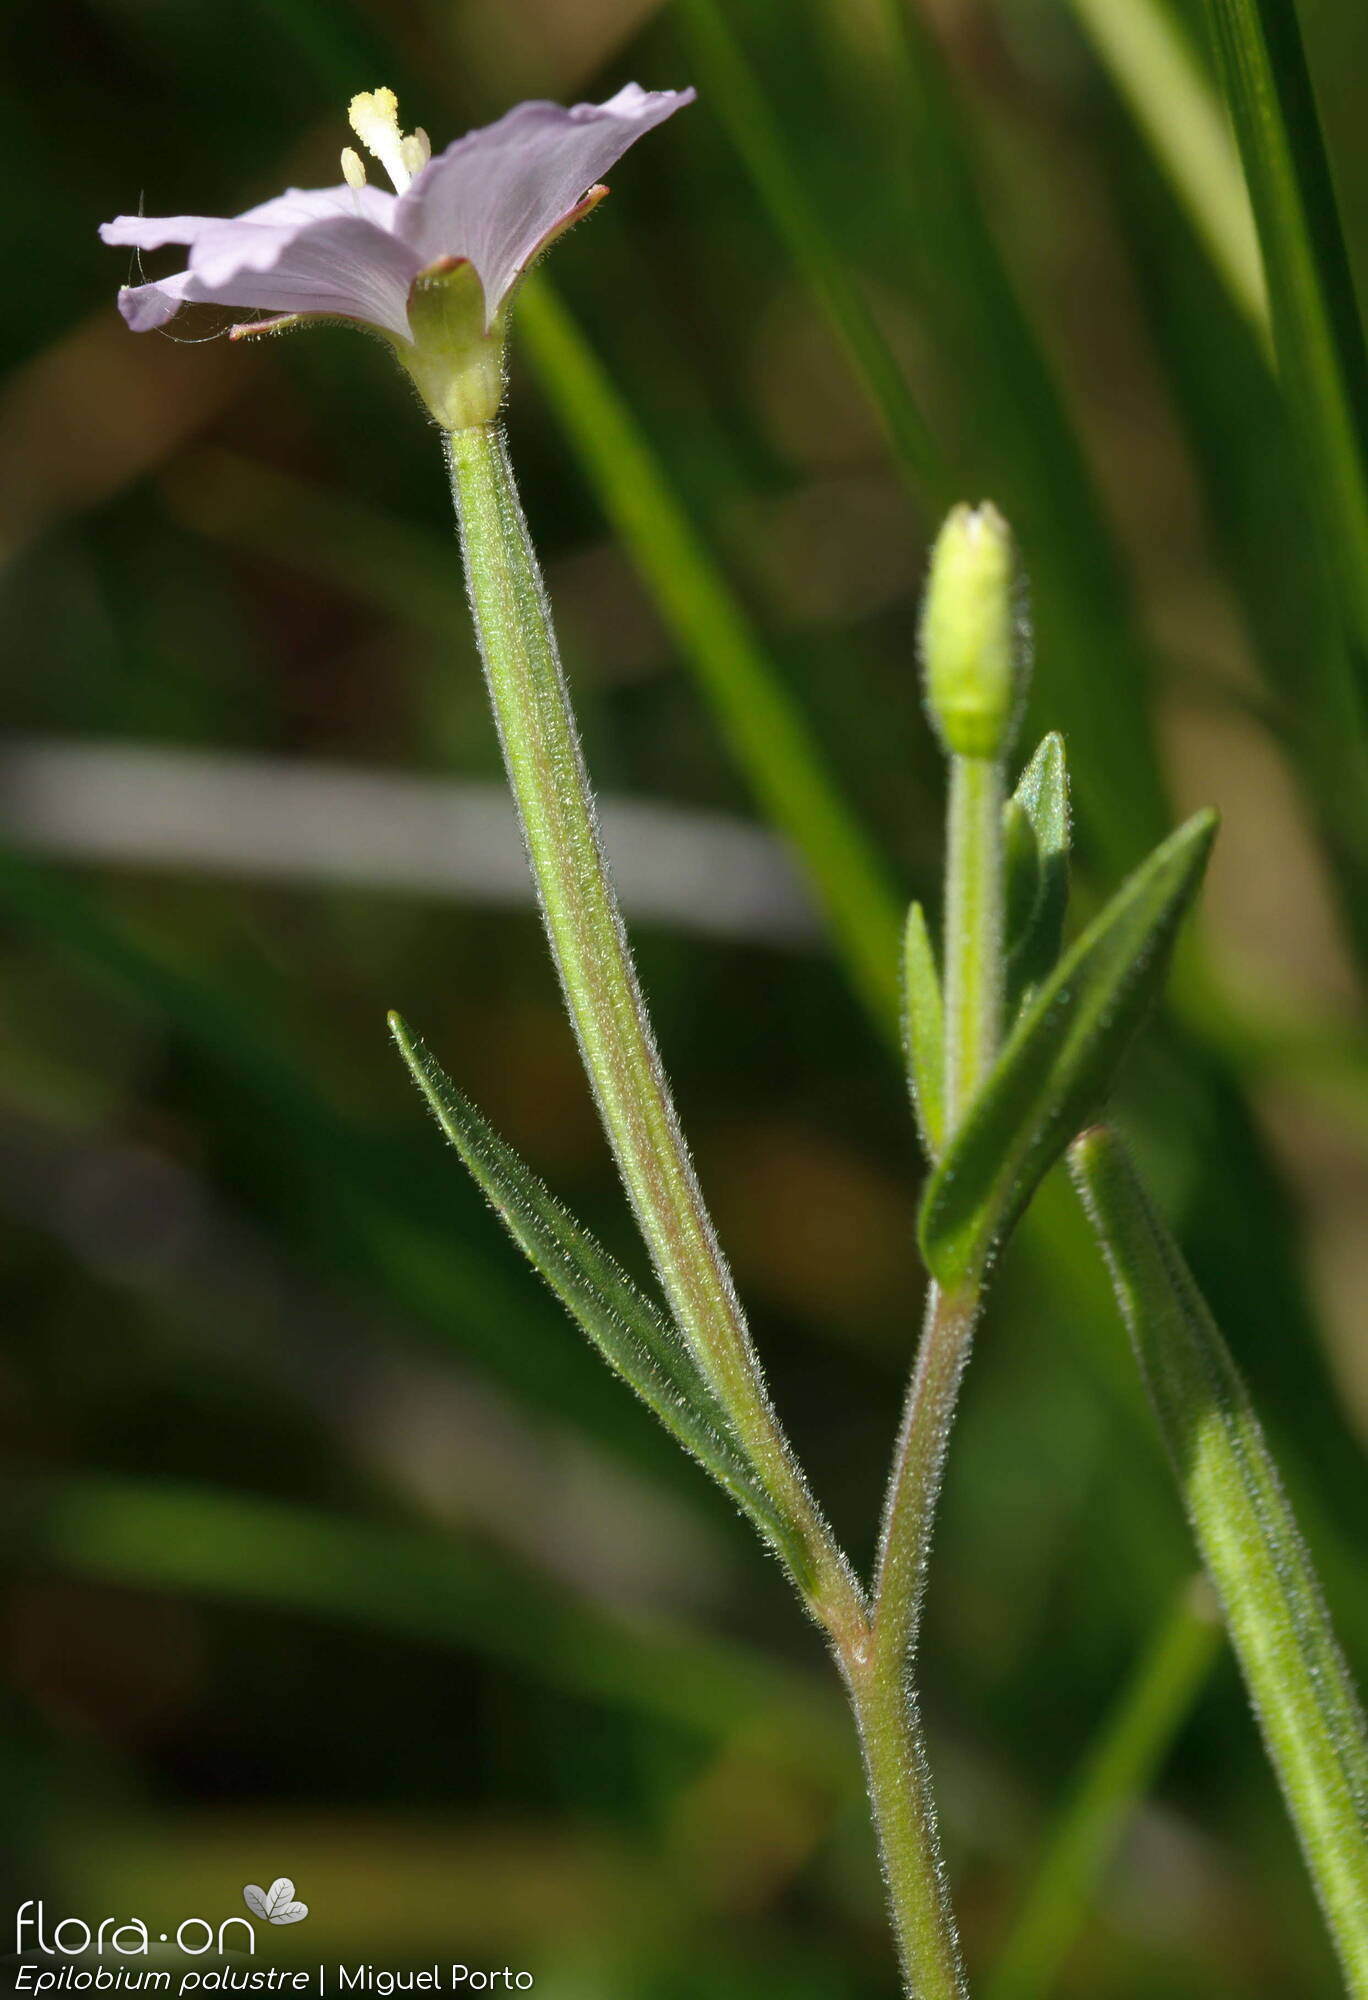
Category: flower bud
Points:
column 971, row 655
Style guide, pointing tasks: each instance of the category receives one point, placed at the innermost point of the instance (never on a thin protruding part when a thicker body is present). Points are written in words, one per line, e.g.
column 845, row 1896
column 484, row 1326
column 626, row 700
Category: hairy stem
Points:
column 880, row 1675
column 589, row 944
column 973, row 930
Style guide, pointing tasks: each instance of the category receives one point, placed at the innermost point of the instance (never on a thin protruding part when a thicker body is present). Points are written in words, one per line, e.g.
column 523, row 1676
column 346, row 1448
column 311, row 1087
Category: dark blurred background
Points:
column 330, row 1549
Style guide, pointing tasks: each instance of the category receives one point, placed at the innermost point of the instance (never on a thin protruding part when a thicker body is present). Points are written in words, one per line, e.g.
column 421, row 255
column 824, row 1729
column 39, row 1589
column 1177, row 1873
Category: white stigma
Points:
column 374, row 116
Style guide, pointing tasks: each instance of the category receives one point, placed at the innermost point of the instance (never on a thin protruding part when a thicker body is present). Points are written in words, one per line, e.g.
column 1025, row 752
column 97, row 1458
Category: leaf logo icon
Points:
column 277, row 1904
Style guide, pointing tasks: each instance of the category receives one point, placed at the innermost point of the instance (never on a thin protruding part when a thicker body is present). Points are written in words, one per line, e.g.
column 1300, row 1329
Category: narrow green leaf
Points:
column 1059, row 1061
column 924, row 1031
column 1313, row 1726
column 1042, row 795
column 629, row 1330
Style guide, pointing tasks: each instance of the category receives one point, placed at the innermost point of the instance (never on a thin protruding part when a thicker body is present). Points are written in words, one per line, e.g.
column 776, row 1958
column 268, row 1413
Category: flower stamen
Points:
column 374, row 116
column 416, row 150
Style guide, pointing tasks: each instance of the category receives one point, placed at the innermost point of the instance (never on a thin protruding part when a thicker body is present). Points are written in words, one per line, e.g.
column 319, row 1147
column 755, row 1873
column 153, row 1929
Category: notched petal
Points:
column 499, row 194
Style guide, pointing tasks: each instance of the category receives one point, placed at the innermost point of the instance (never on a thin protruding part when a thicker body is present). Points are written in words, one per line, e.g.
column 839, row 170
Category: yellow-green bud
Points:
column 971, row 657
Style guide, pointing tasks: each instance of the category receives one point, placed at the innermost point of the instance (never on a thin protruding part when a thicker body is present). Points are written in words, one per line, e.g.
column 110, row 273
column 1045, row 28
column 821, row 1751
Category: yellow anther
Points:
column 353, row 167
column 416, row 150
column 374, row 116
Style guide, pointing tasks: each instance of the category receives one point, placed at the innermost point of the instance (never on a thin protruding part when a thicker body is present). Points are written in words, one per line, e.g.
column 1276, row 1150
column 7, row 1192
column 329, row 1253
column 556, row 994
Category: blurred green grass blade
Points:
column 370, row 1207
column 924, row 1031
column 1297, row 1679
column 1158, row 75
column 1042, row 794
column 730, row 87
column 358, row 550
column 1021, row 444
column 1317, row 332
column 417, row 1584
column 1060, row 1060
column 1238, row 426
column 1131, row 1747
column 631, row 1333
column 764, row 729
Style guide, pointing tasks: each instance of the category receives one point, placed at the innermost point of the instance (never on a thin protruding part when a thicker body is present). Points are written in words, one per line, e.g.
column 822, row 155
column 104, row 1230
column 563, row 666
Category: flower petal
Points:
column 339, row 264
column 146, row 307
column 494, row 195
column 288, row 211
column 300, row 205
column 150, row 232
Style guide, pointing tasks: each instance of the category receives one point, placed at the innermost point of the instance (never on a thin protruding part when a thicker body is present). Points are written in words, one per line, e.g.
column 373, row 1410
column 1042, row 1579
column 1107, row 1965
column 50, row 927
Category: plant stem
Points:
column 973, row 930
column 589, row 944
column 880, row 1674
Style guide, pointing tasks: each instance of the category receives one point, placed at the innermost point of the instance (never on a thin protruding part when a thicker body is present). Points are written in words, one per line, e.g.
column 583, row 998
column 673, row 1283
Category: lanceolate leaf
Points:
column 1297, row 1679
column 1059, row 1061
column 629, row 1330
column 1042, row 795
column 924, row 1031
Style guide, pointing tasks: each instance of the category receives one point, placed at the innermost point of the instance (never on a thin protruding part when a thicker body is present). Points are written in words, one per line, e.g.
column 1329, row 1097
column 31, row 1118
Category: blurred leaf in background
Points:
column 324, row 1538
